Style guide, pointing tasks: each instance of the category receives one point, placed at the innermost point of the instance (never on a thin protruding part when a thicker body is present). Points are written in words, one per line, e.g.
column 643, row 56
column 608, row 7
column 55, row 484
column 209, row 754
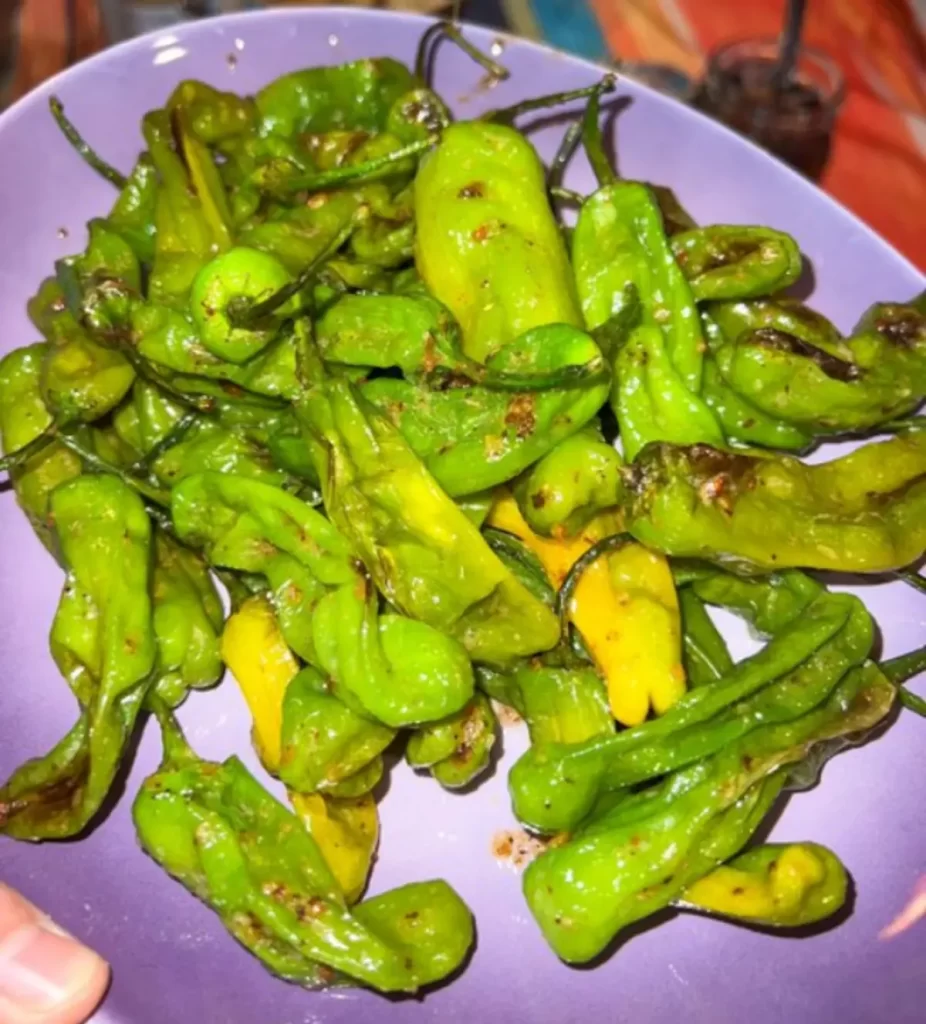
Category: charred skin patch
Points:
column 520, row 414
column 774, row 340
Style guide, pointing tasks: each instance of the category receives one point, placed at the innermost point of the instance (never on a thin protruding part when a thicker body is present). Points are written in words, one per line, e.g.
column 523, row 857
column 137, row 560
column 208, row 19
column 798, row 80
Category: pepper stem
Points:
column 20, row 455
column 447, row 30
column 176, row 749
column 563, row 155
column 173, row 436
column 101, row 465
column 593, row 142
column 338, row 176
column 243, row 314
column 565, row 593
column 77, row 141
column 905, row 666
column 505, row 115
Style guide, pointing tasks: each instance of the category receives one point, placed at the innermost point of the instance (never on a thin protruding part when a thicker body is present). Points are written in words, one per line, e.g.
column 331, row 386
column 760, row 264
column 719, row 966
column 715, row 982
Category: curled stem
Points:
column 565, row 593
column 77, row 141
column 553, row 99
column 567, row 194
column 247, row 315
column 592, row 139
column 913, row 579
column 563, row 155
column 447, row 30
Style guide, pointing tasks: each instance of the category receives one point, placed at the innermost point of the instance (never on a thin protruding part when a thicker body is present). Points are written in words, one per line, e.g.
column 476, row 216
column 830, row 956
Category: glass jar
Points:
column 793, row 120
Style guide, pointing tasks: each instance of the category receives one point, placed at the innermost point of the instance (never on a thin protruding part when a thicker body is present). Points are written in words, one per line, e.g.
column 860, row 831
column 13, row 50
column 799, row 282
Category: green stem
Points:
column 567, row 194
column 912, row 702
column 76, row 140
column 553, row 99
column 592, row 372
column 563, row 155
column 352, row 173
column 100, row 465
column 592, row 138
column 17, row 458
column 564, row 595
column 248, row 315
column 905, row 666
column 173, row 436
column 446, row 29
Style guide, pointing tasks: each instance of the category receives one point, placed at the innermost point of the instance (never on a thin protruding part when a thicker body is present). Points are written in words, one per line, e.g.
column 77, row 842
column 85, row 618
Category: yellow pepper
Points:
column 624, row 606
column 346, row 830
column 254, row 650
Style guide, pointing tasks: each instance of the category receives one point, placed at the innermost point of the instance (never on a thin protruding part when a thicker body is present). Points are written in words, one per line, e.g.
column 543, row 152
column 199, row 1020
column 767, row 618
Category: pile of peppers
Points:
column 336, row 353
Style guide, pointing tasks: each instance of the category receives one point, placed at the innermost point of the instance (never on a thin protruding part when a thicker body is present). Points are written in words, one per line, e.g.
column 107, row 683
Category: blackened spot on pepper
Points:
column 780, row 341
column 737, row 890
column 474, row 190
column 538, row 498
column 901, row 326
column 520, row 415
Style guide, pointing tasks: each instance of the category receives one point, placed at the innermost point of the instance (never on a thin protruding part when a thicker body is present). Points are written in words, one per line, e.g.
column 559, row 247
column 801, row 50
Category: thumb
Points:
column 46, row 977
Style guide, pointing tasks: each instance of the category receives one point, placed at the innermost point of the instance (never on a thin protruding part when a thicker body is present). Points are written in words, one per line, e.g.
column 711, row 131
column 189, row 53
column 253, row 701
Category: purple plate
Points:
column 172, row 960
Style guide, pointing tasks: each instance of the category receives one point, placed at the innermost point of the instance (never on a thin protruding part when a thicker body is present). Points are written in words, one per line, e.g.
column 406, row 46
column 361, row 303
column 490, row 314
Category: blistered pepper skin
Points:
column 488, row 246
column 863, row 512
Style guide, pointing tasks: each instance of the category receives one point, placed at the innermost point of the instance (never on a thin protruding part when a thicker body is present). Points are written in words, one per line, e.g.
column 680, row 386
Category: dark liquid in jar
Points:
column 793, row 121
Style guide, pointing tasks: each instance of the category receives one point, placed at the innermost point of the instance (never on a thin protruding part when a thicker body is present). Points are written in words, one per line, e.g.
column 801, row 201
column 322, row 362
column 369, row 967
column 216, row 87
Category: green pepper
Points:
column 473, row 438
column 208, row 445
column 297, row 236
column 645, row 852
column 385, row 666
column 323, row 742
column 193, row 219
column 169, row 339
column 730, row 261
column 742, row 422
column 776, row 886
column 389, row 667
column 456, row 749
column 554, row 786
column 488, row 246
column 864, row 512
column 213, row 116
column 570, row 485
column 24, row 418
column 103, row 640
column 357, row 95
column 704, row 650
column 619, row 240
column 219, row 833
column 791, row 363
column 254, row 527
column 409, row 533
column 768, row 603
column 187, row 621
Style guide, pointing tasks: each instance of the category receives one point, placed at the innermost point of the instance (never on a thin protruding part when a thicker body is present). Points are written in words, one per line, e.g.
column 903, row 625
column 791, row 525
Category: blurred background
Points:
column 852, row 113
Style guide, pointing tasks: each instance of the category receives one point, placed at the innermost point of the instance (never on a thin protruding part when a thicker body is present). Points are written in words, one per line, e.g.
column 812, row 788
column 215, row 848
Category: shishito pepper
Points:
column 218, row 832
column 255, row 651
column 456, row 749
column 648, row 849
column 624, row 606
column 488, row 245
column 791, row 363
column 424, row 555
column 775, row 886
column 555, row 786
column 358, row 95
column 103, row 640
column 346, row 830
column 24, row 417
column 385, row 666
column 864, row 512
